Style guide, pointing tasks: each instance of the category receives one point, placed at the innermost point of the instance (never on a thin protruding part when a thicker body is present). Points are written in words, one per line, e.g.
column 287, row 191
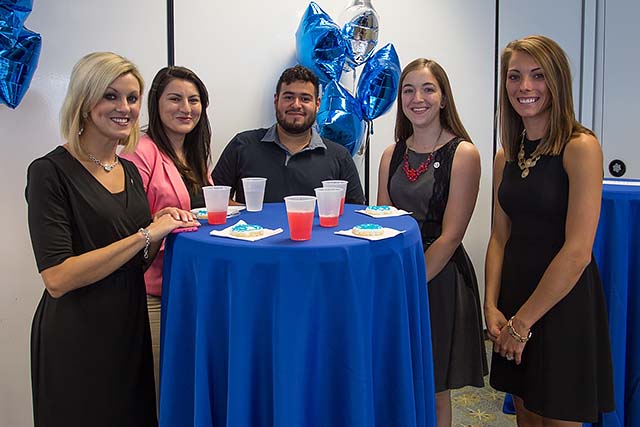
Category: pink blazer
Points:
column 165, row 188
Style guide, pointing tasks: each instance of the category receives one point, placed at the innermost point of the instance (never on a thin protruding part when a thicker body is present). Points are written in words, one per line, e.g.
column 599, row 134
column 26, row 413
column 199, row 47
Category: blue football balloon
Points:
column 320, row 45
column 19, row 51
column 340, row 117
column 378, row 84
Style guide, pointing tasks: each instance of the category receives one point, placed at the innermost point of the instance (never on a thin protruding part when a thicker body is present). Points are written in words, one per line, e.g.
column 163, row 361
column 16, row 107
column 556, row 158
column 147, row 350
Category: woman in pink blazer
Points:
column 173, row 158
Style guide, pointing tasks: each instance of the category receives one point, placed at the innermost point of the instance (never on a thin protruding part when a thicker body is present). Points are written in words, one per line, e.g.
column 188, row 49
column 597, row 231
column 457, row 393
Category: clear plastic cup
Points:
column 338, row 183
column 216, row 198
column 300, row 211
column 254, row 193
column 329, row 202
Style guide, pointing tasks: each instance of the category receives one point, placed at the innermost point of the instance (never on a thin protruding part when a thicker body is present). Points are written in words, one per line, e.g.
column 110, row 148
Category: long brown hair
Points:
column 449, row 118
column 562, row 124
column 196, row 143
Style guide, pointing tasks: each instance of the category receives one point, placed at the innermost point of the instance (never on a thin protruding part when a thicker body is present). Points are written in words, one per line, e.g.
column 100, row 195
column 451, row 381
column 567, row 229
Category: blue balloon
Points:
column 340, row 118
column 320, row 45
column 19, row 51
column 378, row 84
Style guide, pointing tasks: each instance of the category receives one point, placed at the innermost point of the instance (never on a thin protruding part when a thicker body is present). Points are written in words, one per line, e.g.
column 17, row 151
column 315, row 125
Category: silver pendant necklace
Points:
column 106, row 166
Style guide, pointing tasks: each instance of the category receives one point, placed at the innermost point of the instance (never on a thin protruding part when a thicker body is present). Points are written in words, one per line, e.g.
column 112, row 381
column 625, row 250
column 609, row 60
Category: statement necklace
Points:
column 106, row 166
column 523, row 163
column 414, row 174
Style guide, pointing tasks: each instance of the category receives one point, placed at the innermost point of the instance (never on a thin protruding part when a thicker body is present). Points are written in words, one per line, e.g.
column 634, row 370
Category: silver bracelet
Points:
column 147, row 237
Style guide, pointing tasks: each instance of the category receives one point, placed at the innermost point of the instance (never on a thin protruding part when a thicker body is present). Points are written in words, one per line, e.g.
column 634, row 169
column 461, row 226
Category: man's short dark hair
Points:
column 298, row 74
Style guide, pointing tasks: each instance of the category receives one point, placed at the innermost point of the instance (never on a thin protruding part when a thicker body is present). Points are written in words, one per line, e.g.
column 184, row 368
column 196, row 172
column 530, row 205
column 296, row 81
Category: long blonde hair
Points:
column 562, row 124
column 89, row 80
column 449, row 118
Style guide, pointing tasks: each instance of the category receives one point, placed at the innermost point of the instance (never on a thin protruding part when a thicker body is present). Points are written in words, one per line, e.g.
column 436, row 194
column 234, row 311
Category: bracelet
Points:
column 515, row 334
column 147, row 237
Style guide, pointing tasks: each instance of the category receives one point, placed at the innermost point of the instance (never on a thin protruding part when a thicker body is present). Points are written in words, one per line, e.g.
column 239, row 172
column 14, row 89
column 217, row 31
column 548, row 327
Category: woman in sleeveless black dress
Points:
column 91, row 361
column 433, row 171
column 544, row 304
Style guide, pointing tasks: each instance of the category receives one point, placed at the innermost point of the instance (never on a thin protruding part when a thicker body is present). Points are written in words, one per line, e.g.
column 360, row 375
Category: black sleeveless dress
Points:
column 566, row 369
column 459, row 357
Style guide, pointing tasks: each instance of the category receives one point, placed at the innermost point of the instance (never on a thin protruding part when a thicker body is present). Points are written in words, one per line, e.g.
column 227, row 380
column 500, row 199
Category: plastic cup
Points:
column 300, row 211
column 253, row 193
column 338, row 183
column 216, row 198
column 329, row 202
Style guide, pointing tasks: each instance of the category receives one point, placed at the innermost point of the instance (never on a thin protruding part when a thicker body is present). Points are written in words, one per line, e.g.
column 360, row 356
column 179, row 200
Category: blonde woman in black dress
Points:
column 92, row 234
column 433, row 170
column 544, row 305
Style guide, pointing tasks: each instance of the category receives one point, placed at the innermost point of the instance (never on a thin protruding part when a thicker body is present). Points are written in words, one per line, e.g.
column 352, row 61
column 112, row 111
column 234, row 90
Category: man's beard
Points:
column 295, row 128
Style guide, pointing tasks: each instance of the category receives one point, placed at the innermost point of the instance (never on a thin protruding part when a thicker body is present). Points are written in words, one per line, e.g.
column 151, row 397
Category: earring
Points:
column 81, row 130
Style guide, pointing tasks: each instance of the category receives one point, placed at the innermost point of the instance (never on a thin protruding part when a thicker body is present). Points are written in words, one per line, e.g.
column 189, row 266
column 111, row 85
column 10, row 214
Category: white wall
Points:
column 69, row 30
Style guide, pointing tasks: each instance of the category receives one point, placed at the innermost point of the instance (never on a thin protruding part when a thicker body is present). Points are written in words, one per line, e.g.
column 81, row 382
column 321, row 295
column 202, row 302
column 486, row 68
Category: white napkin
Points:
column 386, row 233
column 227, row 233
column 394, row 212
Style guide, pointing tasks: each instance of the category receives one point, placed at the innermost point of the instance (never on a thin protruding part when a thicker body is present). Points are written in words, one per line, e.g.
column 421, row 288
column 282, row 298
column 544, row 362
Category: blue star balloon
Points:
column 340, row 117
column 19, row 51
column 378, row 84
column 319, row 44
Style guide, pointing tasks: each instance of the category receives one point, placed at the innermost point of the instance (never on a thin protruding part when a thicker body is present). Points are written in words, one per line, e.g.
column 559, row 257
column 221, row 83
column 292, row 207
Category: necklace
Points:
column 106, row 166
column 414, row 174
column 523, row 163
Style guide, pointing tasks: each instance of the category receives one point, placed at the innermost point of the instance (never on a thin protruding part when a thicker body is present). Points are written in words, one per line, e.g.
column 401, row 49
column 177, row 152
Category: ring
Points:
column 509, row 357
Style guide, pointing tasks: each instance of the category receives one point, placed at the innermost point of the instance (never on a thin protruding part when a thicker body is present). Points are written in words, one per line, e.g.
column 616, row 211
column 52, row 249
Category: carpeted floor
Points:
column 480, row 407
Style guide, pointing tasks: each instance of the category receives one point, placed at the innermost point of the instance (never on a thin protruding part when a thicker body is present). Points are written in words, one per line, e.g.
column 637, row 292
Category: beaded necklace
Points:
column 526, row 163
column 413, row 174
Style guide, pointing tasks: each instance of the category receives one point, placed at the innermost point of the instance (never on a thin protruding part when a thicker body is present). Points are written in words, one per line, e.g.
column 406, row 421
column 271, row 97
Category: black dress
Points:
column 566, row 371
column 459, row 356
column 91, row 362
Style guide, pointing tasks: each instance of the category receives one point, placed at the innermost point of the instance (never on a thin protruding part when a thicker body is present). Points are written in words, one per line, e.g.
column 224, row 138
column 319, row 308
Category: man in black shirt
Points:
column 291, row 154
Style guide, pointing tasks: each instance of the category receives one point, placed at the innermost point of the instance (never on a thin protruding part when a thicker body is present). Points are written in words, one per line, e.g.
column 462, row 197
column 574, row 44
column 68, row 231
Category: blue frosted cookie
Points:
column 380, row 210
column 247, row 230
column 367, row 230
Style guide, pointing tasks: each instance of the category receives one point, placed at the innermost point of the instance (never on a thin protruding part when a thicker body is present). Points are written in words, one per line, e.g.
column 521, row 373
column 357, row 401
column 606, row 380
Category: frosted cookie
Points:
column 379, row 210
column 367, row 230
column 200, row 213
column 247, row 230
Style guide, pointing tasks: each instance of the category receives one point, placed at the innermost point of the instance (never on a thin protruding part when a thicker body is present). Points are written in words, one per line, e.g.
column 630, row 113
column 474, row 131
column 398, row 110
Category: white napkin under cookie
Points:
column 227, row 233
column 386, row 233
column 395, row 212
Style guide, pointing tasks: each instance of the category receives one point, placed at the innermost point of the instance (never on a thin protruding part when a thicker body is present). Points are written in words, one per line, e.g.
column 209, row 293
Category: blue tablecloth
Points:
column 329, row 332
column 617, row 252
